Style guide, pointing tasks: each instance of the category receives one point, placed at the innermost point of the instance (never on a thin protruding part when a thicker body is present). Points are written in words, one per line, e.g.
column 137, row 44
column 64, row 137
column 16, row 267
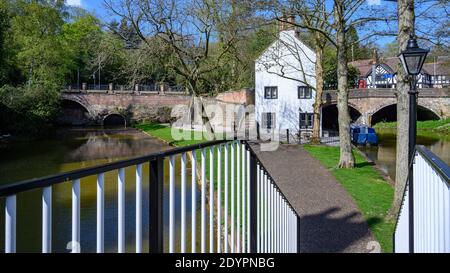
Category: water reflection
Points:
column 71, row 148
column 74, row 148
column 384, row 154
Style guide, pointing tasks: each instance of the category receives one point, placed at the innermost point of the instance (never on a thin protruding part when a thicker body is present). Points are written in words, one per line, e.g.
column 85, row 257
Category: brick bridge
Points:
column 106, row 107
column 373, row 105
column 366, row 105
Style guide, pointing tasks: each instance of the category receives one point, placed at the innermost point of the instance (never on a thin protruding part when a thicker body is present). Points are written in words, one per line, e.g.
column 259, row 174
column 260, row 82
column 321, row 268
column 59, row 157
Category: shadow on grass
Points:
column 374, row 221
column 364, row 164
column 150, row 126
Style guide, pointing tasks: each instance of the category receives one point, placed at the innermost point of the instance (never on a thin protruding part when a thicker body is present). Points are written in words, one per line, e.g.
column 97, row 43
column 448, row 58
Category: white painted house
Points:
column 284, row 77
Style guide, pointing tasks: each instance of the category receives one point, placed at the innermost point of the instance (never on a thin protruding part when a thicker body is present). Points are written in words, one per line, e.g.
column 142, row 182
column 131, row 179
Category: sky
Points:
column 97, row 8
column 94, row 6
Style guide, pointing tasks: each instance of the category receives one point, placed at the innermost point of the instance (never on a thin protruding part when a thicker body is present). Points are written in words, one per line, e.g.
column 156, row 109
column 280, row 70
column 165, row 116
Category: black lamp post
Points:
column 412, row 59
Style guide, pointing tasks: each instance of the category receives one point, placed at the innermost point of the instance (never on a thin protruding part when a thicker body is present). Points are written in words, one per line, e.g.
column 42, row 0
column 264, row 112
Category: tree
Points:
column 40, row 50
column 355, row 50
column 330, row 70
column 187, row 31
column 308, row 12
column 408, row 12
column 4, row 28
column 81, row 39
column 337, row 20
column 41, row 43
column 406, row 18
column 390, row 49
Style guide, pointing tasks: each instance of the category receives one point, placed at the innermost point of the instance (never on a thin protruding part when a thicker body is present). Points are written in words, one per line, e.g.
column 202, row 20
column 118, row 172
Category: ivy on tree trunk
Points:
column 346, row 159
column 406, row 20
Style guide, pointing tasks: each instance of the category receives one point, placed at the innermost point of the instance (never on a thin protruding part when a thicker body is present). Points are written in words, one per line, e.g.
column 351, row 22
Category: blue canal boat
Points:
column 363, row 135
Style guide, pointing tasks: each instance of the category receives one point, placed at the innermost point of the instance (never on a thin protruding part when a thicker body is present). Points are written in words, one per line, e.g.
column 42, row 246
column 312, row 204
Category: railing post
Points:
column 411, row 154
column 156, row 205
column 253, row 205
column 298, row 233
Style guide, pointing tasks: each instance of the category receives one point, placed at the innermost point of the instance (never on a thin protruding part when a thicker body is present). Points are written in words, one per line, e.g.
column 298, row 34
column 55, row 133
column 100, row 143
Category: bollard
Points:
column 136, row 88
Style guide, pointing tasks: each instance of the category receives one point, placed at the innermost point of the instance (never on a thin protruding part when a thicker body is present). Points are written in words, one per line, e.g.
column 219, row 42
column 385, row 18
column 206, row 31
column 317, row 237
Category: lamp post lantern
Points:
column 412, row 59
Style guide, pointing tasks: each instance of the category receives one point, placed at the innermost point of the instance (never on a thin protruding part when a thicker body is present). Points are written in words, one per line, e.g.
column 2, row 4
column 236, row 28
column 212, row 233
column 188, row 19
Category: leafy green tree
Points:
column 4, row 26
column 330, row 68
column 37, row 35
column 355, row 50
column 80, row 38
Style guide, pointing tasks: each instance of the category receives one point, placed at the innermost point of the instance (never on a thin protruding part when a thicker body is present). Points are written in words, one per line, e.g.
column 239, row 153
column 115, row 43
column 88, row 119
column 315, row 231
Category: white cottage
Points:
column 284, row 85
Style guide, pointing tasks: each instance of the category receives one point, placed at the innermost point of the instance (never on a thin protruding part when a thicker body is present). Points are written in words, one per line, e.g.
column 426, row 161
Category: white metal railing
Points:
column 247, row 212
column 431, row 207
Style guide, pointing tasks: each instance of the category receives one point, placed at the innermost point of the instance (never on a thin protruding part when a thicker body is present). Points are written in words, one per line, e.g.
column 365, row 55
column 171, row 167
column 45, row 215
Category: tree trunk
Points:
column 405, row 28
column 346, row 159
column 319, row 89
column 205, row 118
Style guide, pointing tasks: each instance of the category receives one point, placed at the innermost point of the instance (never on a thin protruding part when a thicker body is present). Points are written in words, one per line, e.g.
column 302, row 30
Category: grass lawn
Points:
column 165, row 133
column 441, row 126
column 372, row 194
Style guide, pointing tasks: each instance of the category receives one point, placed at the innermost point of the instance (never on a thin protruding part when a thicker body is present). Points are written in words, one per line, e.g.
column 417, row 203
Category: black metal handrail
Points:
column 437, row 163
column 253, row 153
column 14, row 188
column 156, row 174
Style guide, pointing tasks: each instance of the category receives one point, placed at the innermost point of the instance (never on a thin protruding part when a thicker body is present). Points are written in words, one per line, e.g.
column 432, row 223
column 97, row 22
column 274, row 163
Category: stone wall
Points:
column 135, row 107
column 132, row 107
column 243, row 96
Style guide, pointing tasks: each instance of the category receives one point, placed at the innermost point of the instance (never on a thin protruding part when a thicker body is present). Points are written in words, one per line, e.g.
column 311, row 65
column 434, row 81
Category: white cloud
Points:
column 374, row 2
column 74, row 3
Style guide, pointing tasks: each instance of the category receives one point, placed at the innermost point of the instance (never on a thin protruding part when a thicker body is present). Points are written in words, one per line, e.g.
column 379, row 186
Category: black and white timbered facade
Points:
column 382, row 74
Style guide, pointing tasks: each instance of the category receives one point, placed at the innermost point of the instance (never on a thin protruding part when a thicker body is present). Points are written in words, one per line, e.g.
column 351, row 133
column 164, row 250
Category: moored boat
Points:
column 363, row 135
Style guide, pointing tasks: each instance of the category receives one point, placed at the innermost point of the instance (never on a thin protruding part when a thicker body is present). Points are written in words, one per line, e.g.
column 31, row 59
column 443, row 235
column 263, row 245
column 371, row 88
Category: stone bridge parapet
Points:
column 369, row 101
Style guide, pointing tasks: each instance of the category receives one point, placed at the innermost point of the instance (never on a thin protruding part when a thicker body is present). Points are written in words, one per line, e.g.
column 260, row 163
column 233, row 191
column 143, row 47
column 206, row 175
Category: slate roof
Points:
column 365, row 66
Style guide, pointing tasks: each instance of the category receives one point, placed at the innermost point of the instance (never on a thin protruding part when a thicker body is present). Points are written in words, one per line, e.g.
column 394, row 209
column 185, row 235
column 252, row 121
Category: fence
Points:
column 104, row 88
column 428, row 209
column 247, row 210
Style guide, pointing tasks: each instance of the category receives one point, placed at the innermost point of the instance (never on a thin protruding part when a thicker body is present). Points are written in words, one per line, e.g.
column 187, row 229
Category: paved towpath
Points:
column 330, row 220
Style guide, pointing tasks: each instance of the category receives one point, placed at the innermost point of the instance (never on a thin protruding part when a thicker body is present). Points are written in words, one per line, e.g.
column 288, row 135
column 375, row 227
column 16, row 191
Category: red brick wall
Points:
column 123, row 100
column 242, row 96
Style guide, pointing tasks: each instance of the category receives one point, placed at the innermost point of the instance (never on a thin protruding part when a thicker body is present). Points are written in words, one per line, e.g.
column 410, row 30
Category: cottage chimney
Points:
column 287, row 22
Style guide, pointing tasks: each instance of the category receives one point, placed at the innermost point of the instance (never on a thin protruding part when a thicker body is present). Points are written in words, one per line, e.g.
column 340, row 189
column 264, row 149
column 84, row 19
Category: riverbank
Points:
column 372, row 194
column 164, row 133
column 423, row 127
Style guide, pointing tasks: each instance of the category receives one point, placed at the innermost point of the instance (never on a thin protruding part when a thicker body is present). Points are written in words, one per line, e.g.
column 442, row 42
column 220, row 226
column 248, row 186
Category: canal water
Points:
column 384, row 154
column 74, row 148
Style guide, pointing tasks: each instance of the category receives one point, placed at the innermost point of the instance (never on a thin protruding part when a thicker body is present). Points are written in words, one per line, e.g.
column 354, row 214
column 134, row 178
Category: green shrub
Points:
column 28, row 107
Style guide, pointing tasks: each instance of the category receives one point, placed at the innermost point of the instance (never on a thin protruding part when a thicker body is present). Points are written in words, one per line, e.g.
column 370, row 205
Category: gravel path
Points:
column 330, row 220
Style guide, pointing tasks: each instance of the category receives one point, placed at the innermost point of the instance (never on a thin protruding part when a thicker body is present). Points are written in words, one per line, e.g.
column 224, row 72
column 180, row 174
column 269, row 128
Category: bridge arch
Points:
column 329, row 116
column 74, row 113
column 114, row 119
column 388, row 113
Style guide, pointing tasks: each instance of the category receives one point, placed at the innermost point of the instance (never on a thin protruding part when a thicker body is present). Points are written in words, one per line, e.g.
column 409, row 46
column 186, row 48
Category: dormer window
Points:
column 271, row 92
